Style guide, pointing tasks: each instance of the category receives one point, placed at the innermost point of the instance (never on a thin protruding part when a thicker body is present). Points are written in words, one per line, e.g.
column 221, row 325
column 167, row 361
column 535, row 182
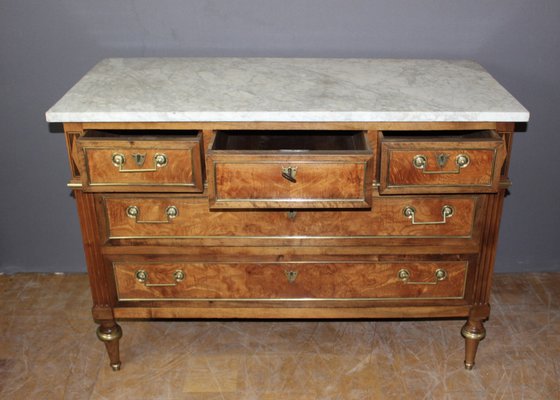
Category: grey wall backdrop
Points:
column 47, row 45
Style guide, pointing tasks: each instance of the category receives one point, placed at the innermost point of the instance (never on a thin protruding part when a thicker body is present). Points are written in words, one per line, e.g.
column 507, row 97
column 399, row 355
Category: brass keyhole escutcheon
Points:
column 139, row 158
column 291, row 276
column 289, row 173
column 442, row 159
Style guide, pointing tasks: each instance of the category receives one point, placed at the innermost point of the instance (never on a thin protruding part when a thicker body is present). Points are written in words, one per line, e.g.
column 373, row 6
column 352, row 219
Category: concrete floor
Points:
column 48, row 350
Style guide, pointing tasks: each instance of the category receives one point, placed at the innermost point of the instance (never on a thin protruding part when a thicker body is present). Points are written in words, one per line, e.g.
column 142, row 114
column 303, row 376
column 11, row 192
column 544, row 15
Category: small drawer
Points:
column 171, row 217
column 414, row 280
column 289, row 169
column 126, row 160
column 441, row 162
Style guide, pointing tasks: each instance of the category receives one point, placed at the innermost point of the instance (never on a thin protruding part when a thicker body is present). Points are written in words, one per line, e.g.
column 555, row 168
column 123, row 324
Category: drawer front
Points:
column 451, row 166
column 289, row 169
column 130, row 217
column 294, row 183
column 137, row 164
column 285, row 281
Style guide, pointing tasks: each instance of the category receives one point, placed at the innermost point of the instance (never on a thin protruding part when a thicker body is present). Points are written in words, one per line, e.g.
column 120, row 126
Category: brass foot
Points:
column 110, row 333
column 473, row 332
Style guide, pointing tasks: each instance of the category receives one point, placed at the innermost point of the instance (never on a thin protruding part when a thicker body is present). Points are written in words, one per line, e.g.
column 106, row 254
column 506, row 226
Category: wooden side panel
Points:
column 291, row 281
column 385, row 218
column 101, row 279
column 72, row 131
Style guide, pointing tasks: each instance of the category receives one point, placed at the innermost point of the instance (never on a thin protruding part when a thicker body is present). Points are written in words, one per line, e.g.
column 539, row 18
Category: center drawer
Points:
column 289, row 169
column 415, row 280
column 176, row 217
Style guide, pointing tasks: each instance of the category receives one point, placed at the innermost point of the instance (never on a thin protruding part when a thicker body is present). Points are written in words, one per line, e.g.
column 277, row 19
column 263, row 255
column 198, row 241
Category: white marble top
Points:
column 286, row 89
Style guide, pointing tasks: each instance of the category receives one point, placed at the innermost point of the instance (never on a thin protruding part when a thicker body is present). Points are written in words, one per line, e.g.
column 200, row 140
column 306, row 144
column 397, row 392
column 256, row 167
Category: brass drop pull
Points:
column 119, row 160
column 142, row 277
column 291, row 276
column 292, row 214
column 410, row 212
column 289, row 173
column 439, row 275
column 134, row 213
column 420, row 161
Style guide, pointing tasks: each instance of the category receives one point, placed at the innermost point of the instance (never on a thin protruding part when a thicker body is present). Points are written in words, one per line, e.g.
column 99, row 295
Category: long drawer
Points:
column 145, row 216
column 136, row 281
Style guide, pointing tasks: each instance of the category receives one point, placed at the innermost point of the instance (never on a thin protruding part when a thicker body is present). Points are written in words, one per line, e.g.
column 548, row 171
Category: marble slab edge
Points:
column 315, row 116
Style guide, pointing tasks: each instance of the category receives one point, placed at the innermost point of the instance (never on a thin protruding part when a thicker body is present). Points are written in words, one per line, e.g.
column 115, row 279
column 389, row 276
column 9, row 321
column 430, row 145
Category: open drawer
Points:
column 441, row 161
column 289, row 169
column 141, row 160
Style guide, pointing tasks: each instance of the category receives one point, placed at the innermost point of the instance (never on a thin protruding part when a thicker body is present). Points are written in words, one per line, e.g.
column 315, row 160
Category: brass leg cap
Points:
column 468, row 366
column 116, row 366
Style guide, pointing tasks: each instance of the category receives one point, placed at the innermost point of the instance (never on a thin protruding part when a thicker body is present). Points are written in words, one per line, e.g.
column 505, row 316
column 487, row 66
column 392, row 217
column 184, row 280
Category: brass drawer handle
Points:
column 404, row 276
column 134, row 213
column 420, row 161
column 410, row 213
column 142, row 277
column 289, row 173
column 119, row 160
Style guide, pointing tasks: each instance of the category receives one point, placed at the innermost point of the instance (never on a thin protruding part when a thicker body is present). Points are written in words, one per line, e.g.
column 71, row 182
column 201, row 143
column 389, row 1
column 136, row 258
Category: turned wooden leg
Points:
column 110, row 333
column 473, row 332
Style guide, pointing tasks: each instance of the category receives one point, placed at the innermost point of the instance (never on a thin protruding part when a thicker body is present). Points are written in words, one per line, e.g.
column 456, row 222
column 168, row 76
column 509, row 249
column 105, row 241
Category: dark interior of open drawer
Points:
column 292, row 140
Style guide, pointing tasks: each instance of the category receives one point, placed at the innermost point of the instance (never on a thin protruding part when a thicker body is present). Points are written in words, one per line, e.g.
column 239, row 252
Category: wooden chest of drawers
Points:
column 271, row 217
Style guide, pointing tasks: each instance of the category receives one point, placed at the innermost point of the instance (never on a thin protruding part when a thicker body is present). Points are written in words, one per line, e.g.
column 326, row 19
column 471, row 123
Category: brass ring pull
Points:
column 420, row 161
column 134, row 213
column 142, row 277
column 289, row 173
column 119, row 160
column 404, row 276
column 410, row 213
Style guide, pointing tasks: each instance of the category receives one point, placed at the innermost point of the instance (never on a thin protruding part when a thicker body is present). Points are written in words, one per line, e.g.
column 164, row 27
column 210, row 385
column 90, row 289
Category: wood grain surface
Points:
column 399, row 174
column 183, row 171
column 385, row 218
column 269, row 281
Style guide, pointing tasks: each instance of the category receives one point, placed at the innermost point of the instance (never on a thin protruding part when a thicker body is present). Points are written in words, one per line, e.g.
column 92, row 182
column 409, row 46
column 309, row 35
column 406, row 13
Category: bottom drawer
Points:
column 290, row 281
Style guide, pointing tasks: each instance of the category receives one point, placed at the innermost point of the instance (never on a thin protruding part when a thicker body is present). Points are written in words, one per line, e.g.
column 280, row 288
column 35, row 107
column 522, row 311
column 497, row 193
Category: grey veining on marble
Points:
column 286, row 89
